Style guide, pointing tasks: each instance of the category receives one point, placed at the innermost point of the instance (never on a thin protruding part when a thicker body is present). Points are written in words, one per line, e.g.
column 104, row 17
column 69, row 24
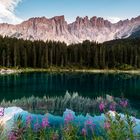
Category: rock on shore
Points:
column 7, row 71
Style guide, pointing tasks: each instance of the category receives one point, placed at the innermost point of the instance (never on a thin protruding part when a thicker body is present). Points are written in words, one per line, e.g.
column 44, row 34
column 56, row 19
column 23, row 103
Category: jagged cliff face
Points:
column 57, row 29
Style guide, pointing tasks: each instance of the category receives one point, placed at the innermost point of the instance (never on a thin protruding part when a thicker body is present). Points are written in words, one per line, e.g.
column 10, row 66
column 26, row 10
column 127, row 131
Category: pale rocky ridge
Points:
column 57, row 29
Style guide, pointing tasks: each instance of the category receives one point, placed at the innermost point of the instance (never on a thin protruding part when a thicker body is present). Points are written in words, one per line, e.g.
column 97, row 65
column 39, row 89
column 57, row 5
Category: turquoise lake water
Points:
column 56, row 84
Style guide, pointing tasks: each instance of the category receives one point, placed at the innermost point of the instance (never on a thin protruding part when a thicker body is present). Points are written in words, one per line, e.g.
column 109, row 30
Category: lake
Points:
column 56, row 84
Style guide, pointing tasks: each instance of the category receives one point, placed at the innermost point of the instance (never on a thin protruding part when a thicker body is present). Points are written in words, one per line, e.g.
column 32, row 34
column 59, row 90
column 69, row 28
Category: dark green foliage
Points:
column 38, row 54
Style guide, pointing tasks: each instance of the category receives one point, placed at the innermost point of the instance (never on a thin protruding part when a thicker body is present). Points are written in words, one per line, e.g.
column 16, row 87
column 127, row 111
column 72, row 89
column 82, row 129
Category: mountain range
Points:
column 57, row 29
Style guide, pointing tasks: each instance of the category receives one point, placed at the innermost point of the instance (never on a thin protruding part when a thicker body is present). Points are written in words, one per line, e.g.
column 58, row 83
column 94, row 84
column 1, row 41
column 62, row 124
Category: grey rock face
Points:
column 57, row 29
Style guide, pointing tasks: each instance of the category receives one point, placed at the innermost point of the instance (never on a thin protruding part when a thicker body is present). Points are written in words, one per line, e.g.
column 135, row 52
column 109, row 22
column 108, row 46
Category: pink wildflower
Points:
column 89, row 122
column 84, row 132
column 36, row 125
column 107, row 125
column 1, row 111
column 12, row 136
column 45, row 122
column 101, row 106
column 124, row 103
column 28, row 120
column 69, row 117
column 112, row 107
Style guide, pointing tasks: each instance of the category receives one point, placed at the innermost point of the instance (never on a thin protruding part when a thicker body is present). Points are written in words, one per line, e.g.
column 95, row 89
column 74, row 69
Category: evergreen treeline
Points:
column 38, row 54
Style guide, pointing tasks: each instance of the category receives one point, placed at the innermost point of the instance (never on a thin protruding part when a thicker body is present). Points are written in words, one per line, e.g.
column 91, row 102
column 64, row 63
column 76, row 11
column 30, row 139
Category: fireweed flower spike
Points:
column 28, row 120
column 68, row 118
column 124, row 103
column 90, row 123
column 1, row 111
column 45, row 122
column 106, row 125
column 112, row 107
column 36, row 125
column 101, row 106
column 12, row 136
column 84, row 132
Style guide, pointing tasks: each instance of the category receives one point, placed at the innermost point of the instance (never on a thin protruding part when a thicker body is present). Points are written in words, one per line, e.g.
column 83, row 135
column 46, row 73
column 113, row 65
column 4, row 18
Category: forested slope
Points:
column 38, row 54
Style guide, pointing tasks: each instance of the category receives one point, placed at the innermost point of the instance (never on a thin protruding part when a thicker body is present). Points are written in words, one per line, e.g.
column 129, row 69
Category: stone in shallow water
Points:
column 8, row 119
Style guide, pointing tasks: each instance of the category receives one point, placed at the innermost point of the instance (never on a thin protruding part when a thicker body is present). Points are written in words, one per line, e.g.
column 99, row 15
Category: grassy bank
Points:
column 113, row 127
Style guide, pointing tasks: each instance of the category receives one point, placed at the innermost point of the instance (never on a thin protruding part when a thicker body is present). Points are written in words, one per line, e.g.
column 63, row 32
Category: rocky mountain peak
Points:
column 83, row 28
column 59, row 18
column 81, row 22
column 137, row 19
column 100, row 22
column 35, row 20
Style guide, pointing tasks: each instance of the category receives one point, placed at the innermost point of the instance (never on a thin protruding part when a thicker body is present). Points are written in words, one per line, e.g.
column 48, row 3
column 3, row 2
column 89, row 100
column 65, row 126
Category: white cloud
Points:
column 7, row 11
column 114, row 19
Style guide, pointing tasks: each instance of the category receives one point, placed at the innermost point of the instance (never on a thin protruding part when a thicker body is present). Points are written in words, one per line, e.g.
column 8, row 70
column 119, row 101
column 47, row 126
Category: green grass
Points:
column 113, row 128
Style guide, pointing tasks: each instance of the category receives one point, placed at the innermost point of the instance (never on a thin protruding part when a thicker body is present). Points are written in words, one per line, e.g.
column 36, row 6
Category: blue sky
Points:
column 109, row 9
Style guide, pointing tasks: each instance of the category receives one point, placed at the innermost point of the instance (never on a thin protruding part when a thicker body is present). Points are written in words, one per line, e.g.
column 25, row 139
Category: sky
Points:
column 16, row 11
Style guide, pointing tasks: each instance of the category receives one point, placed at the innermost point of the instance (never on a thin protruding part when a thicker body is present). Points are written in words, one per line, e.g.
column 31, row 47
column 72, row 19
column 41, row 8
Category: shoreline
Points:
column 7, row 71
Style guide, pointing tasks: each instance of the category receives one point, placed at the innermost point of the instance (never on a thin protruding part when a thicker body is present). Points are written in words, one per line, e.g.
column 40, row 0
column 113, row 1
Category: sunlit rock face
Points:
column 57, row 29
